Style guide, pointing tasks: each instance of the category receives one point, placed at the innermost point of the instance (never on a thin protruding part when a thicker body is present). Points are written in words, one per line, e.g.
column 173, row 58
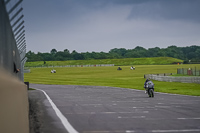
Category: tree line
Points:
column 188, row 54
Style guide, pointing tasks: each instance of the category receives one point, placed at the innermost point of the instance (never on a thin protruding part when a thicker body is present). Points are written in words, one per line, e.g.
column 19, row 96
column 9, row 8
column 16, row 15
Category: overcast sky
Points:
column 101, row 25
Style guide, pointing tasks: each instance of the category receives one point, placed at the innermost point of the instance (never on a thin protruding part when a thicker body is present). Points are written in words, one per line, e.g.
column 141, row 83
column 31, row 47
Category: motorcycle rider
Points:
column 148, row 81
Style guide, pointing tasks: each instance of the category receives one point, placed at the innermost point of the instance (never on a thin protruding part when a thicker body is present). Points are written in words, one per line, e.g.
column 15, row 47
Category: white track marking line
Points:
column 172, row 131
column 81, row 113
column 63, row 119
column 161, row 92
column 145, row 131
column 138, row 107
column 164, row 131
column 128, row 131
column 91, row 104
column 132, row 117
column 188, row 118
column 174, row 94
column 163, row 106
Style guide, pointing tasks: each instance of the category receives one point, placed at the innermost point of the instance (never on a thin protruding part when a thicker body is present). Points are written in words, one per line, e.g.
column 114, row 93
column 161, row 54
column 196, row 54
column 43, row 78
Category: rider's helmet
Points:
column 147, row 80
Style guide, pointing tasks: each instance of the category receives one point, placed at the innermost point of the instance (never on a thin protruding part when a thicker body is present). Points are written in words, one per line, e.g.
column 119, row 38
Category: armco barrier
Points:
column 193, row 79
column 97, row 65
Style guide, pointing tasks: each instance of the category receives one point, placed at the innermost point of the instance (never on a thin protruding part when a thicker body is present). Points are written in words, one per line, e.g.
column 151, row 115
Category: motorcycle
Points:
column 149, row 87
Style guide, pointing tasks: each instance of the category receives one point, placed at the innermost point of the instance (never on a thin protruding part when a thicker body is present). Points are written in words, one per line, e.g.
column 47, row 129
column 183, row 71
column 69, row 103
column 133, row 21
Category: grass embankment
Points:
column 117, row 62
column 109, row 76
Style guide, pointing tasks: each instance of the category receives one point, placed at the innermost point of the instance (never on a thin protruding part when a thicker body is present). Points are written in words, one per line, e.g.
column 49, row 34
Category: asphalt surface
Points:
column 92, row 109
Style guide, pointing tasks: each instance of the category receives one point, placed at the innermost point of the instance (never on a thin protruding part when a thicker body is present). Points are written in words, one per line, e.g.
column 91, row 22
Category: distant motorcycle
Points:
column 53, row 71
column 149, row 88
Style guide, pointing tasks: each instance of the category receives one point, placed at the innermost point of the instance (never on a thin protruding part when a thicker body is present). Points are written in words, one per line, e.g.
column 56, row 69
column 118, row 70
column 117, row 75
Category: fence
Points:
column 96, row 65
column 27, row 70
column 189, row 71
column 12, row 37
column 167, row 78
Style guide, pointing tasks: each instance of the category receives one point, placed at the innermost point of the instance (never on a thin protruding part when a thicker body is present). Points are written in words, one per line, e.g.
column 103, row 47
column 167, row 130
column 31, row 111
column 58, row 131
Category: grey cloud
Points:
column 149, row 9
column 167, row 9
column 96, row 25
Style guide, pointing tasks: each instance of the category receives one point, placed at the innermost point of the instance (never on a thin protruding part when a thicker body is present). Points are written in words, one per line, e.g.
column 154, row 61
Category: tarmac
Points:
column 97, row 109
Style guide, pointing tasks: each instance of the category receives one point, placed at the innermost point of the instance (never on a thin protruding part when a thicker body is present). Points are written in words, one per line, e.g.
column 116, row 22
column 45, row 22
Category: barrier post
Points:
column 195, row 71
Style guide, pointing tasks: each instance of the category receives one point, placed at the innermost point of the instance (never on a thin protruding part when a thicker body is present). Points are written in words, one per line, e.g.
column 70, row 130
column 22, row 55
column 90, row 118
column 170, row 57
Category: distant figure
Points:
column 16, row 70
column 53, row 71
column 132, row 68
column 119, row 68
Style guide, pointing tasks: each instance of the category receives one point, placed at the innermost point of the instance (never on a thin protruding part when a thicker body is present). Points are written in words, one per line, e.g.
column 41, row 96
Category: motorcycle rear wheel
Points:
column 151, row 93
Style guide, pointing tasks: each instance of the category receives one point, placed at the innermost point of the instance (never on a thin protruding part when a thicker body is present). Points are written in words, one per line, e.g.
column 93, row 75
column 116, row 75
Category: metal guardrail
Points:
column 97, row 65
column 167, row 78
column 27, row 70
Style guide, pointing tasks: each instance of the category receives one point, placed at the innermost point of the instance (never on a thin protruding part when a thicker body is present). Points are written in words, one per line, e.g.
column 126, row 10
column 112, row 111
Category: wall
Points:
column 14, row 104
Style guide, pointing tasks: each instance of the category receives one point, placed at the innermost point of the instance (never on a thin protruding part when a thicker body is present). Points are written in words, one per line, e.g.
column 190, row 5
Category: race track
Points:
column 92, row 109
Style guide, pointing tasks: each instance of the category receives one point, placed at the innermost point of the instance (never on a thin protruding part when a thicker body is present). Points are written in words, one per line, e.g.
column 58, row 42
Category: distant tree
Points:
column 103, row 55
column 131, row 54
column 94, row 55
column 114, row 55
column 53, row 51
column 47, row 57
column 66, row 51
column 77, row 56
column 40, row 56
column 59, row 56
column 140, row 52
column 67, row 55
column 191, row 55
column 31, row 56
column 153, row 52
column 86, row 56
column 118, row 53
column 34, row 57
column 197, row 52
column 139, row 48
column 184, row 53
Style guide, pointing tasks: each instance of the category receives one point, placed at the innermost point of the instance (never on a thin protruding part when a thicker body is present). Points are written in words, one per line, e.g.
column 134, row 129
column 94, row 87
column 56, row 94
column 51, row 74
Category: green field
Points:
column 110, row 76
column 117, row 62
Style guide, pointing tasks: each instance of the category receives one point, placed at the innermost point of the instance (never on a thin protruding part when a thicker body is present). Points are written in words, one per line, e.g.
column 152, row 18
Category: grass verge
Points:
column 110, row 76
column 31, row 89
column 117, row 62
